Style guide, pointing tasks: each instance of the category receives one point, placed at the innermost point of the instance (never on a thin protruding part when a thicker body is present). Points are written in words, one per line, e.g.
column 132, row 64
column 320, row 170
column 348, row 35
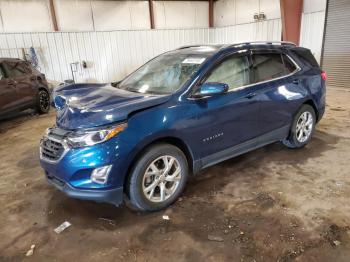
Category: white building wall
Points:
column 312, row 26
column 181, row 14
column 74, row 15
column 224, row 12
column 100, row 15
column 232, row 12
column 114, row 15
column 245, row 10
column 112, row 55
column 311, row 6
column 86, row 15
column 271, row 8
column 25, row 16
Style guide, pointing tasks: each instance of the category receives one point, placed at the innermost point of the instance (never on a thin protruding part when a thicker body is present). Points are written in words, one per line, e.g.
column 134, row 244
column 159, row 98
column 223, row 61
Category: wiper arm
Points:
column 115, row 84
column 156, row 93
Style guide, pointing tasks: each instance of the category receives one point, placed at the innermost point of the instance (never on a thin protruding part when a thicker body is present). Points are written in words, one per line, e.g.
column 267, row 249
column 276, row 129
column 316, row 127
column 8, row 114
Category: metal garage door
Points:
column 336, row 50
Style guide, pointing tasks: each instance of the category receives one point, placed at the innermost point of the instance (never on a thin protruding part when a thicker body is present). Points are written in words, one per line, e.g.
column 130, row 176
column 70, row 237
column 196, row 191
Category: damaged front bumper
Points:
column 112, row 196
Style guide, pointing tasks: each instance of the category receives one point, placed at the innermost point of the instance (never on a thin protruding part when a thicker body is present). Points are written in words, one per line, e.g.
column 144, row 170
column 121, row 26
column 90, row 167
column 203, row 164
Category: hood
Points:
column 90, row 105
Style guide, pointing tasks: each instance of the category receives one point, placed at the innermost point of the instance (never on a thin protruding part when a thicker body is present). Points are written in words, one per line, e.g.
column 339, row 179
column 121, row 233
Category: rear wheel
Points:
column 43, row 101
column 302, row 128
column 158, row 178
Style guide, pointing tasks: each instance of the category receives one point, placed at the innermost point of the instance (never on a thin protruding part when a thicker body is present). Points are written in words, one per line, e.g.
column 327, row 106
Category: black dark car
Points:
column 22, row 87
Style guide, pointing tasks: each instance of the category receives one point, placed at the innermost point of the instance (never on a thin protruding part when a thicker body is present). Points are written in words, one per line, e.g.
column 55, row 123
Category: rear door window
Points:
column 233, row 71
column 267, row 67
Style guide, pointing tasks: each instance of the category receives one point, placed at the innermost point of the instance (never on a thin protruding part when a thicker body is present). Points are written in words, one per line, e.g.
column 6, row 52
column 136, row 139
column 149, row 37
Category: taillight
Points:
column 324, row 75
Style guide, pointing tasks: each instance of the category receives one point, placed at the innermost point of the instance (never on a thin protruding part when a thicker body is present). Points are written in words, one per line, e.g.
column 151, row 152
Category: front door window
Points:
column 233, row 71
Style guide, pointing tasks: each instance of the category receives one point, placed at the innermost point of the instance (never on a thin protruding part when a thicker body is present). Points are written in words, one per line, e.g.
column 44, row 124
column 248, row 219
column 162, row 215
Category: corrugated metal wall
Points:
column 336, row 55
column 112, row 55
column 311, row 35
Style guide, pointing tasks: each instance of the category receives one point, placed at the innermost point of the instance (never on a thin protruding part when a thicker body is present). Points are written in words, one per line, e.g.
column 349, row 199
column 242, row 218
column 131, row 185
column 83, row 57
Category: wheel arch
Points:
column 311, row 103
column 43, row 88
column 175, row 141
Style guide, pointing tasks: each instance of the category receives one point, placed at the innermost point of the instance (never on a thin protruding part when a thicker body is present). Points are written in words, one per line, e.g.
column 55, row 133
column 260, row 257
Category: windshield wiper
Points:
column 132, row 90
column 157, row 93
column 115, row 84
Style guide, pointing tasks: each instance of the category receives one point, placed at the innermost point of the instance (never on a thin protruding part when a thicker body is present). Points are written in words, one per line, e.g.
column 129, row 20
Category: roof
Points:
column 210, row 49
column 198, row 49
column 265, row 43
column 9, row 59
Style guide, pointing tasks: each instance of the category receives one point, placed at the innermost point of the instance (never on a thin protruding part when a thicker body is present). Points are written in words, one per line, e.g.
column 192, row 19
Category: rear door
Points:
column 280, row 92
column 8, row 94
column 25, row 82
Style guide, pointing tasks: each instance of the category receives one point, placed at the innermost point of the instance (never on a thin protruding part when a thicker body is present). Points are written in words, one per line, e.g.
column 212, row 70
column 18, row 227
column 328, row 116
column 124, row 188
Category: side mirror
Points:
column 211, row 89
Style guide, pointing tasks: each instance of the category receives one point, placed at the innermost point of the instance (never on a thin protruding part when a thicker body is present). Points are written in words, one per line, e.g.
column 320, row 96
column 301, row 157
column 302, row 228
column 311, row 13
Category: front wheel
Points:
column 43, row 102
column 302, row 128
column 158, row 178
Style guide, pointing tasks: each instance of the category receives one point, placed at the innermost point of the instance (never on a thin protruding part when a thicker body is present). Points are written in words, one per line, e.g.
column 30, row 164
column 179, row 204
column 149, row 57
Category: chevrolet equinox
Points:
column 138, row 140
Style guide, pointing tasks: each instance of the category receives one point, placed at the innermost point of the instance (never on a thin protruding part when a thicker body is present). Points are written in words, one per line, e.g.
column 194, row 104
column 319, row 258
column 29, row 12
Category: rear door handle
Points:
column 250, row 95
column 12, row 82
column 296, row 81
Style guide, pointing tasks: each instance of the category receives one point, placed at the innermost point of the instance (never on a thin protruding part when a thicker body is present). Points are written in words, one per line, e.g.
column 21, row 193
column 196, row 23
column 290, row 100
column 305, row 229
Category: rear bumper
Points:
column 112, row 196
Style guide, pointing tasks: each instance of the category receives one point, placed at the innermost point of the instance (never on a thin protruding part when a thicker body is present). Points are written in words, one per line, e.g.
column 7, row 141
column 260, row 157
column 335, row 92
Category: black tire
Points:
column 43, row 102
column 137, row 199
column 292, row 140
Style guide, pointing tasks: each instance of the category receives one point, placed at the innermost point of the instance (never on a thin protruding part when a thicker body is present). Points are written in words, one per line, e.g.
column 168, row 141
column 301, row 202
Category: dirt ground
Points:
column 272, row 204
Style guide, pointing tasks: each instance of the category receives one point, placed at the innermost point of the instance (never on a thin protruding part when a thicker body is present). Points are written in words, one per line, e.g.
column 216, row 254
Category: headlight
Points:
column 93, row 137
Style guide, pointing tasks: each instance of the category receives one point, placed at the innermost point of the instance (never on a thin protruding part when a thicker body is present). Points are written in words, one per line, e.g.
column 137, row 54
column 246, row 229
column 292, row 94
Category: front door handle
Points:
column 250, row 95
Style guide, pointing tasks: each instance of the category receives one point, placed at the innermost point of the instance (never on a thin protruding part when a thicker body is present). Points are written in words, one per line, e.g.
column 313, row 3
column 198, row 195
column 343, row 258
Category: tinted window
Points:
column 267, row 67
column 233, row 71
column 2, row 75
column 290, row 67
column 16, row 69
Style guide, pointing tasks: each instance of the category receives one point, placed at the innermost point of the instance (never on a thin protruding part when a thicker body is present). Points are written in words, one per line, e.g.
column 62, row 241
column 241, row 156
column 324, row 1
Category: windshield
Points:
column 163, row 75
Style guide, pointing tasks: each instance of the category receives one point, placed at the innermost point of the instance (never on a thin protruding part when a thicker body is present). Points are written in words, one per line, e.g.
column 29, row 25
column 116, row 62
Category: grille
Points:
column 51, row 149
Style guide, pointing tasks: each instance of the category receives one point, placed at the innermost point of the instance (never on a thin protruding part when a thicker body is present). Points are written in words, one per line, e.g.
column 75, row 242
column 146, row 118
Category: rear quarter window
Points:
column 2, row 74
column 289, row 65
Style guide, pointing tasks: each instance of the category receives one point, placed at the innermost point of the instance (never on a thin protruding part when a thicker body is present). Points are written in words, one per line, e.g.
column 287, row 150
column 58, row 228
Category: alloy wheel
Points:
column 161, row 179
column 44, row 100
column 304, row 126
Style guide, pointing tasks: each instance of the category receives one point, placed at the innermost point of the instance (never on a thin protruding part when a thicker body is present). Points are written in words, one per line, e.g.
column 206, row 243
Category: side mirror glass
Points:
column 211, row 89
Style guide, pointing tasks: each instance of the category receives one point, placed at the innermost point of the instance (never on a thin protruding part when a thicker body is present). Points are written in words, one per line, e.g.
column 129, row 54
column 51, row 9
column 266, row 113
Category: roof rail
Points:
column 285, row 43
column 188, row 46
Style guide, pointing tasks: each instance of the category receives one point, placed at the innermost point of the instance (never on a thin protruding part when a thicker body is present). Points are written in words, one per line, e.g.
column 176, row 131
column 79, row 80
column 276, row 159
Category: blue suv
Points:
column 138, row 140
